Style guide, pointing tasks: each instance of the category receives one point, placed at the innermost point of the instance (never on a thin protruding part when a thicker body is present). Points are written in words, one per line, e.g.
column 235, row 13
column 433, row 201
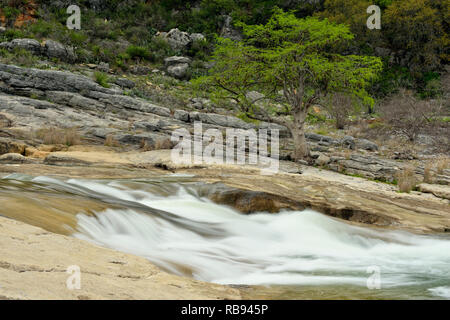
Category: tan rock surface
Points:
column 33, row 265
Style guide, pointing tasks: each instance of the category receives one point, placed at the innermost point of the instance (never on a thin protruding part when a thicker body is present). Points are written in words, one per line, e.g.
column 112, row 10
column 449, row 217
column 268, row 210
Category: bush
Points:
column 52, row 135
column 138, row 52
column 442, row 163
column 410, row 116
column 102, row 79
column 111, row 142
column 428, row 173
column 339, row 106
column 406, row 180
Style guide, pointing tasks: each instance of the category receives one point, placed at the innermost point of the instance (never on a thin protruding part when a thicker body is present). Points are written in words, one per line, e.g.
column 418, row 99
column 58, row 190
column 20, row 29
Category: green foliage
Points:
column 414, row 33
column 416, row 28
column 300, row 56
column 138, row 52
column 102, row 79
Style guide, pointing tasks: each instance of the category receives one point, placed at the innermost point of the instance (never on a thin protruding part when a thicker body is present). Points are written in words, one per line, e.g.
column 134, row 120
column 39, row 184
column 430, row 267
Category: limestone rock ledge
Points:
column 33, row 265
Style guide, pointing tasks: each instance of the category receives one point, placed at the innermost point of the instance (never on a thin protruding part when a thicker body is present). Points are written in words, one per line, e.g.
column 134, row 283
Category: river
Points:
column 291, row 255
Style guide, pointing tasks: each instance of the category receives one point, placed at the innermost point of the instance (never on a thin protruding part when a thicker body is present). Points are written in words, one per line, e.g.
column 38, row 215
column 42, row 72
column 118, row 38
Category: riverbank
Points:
column 356, row 200
column 34, row 262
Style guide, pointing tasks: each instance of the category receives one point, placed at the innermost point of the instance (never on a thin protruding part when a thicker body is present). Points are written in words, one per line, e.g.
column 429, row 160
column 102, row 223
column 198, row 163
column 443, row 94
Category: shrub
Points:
column 339, row 106
column 406, row 180
column 111, row 142
column 428, row 173
column 162, row 144
column 442, row 163
column 410, row 116
column 138, row 52
column 102, row 79
column 52, row 135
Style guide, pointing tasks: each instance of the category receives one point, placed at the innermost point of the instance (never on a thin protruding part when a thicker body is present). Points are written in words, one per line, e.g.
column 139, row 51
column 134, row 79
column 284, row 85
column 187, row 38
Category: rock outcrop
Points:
column 49, row 48
column 34, row 264
column 180, row 40
column 32, row 99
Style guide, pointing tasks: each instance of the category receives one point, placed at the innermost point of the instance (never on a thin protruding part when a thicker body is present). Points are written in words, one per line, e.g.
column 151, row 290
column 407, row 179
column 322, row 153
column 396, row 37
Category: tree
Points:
column 415, row 31
column 293, row 63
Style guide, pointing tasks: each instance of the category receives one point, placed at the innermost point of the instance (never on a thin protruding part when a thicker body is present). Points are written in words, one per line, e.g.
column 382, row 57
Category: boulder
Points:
column 170, row 61
column 28, row 44
column 178, row 71
column 348, row 142
column 320, row 138
column 125, row 83
column 178, row 40
column 246, row 201
column 54, row 49
column 322, row 160
column 195, row 37
column 199, row 103
column 140, row 70
column 438, row 190
column 366, row 145
column 181, row 115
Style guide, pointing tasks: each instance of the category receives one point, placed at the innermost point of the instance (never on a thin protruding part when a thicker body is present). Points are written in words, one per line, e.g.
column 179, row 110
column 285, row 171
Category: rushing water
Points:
column 165, row 221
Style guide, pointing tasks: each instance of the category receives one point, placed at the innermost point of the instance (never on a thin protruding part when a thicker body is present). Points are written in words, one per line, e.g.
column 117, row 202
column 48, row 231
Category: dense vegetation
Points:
column 413, row 41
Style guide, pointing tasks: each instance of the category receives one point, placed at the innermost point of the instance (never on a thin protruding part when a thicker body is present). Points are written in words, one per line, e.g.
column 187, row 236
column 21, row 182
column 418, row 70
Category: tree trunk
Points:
column 301, row 150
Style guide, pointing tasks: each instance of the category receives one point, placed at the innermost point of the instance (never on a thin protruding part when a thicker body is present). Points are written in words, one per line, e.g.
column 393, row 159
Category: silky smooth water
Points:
column 165, row 221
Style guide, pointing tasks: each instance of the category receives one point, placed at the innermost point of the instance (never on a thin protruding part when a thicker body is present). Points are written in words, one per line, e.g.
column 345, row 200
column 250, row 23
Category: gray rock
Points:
column 140, row 70
column 177, row 39
column 320, row 138
column 125, row 83
column 54, row 49
column 46, row 80
column 178, row 71
column 228, row 31
column 103, row 67
column 150, row 125
column 140, row 139
column 28, row 44
column 176, row 60
column 255, row 97
column 322, row 160
column 197, row 37
column 349, row 142
column 366, row 145
column 220, row 120
column 103, row 132
column 382, row 52
column 199, row 103
column 181, row 115
column 74, row 100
